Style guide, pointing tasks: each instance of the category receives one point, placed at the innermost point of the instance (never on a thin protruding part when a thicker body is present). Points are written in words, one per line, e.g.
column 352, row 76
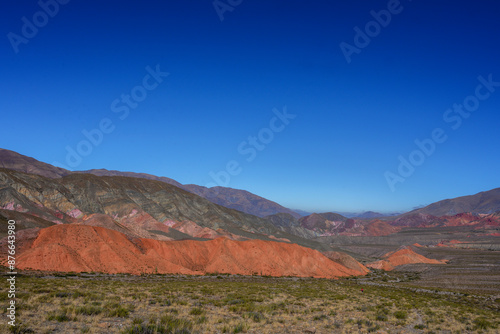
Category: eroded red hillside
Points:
column 74, row 247
column 403, row 256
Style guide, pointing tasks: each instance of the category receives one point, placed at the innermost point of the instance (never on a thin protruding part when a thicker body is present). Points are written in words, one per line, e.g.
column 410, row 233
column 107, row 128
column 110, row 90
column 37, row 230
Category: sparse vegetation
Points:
column 236, row 304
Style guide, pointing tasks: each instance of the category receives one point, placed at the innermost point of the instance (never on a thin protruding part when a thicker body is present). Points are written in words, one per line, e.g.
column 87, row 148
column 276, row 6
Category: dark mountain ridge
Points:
column 486, row 202
column 241, row 200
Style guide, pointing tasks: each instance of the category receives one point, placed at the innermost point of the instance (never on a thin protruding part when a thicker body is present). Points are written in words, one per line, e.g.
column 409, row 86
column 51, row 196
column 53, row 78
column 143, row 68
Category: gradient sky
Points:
column 353, row 120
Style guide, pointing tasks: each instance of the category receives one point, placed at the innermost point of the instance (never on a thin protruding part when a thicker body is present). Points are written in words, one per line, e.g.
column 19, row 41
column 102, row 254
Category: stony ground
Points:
column 389, row 303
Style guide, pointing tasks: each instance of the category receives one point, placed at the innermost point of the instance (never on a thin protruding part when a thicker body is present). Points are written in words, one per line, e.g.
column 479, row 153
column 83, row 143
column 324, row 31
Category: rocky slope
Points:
column 74, row 247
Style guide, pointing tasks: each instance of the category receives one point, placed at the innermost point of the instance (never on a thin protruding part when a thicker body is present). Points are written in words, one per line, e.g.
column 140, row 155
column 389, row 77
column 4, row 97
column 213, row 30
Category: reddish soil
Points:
column 196, row 231
column 449, row 243
column 380, row 228
column 73, row 247
column 403, row 256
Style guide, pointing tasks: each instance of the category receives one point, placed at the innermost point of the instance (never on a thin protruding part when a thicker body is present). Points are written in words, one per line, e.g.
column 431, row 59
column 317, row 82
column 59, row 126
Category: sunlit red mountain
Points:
column 74, row 247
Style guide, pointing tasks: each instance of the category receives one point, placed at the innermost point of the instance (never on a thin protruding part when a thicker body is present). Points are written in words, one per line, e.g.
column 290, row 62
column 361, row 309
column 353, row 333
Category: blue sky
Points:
column 349, row 123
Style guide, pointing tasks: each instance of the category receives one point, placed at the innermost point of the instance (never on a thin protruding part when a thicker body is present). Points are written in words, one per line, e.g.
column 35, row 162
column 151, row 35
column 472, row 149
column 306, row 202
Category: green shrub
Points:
column 482, row 323
column 173, row 323
column 115, row 309
column 88, row 310
column 201, row 320
column 164, row 325
column 400, row 315
column 196, row 311
column 256, row 316
column 373, row 328
column 239, row 328
column 319, row 317
column 60, row 316
column 21, row 329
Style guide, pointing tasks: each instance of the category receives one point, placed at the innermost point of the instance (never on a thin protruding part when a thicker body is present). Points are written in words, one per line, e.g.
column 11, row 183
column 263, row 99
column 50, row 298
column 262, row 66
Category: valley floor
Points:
column 99, row 303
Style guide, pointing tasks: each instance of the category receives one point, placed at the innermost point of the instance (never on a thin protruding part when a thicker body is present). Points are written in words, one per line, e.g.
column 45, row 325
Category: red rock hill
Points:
column 74, row 247
column 400, row 257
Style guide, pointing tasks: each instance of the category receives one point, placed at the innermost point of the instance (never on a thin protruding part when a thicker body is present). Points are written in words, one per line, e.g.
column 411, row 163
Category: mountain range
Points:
column 156, row 213
column 242, row 200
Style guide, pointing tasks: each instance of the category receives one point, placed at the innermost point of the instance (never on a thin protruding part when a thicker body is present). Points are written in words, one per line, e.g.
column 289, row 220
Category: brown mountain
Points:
column 105, row 172
column 80, row 248
column 369, row 215
column 241, row 200
column 473, row 220
column 483, row 202
column 230, row 198
column 15, row 161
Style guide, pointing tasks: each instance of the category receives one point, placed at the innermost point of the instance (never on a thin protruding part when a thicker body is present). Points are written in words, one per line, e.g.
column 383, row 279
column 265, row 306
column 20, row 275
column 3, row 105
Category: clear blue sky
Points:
column 353, row 120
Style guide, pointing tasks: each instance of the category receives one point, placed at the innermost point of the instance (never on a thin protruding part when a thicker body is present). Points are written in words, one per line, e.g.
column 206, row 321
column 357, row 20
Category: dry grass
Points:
column 223, row 304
